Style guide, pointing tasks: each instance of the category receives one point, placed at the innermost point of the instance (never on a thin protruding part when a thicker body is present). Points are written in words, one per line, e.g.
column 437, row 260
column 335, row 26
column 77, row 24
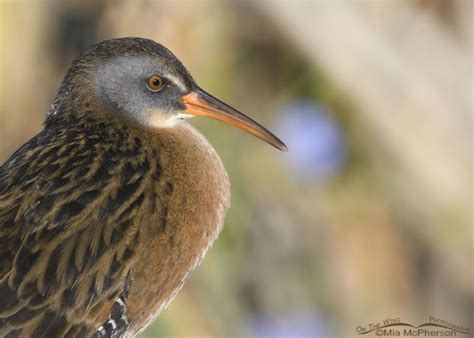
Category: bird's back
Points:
column 99, row 229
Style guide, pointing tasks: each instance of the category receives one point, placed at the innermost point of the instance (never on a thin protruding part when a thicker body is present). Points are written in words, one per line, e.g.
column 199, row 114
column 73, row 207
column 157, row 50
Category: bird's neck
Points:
column 195, row 215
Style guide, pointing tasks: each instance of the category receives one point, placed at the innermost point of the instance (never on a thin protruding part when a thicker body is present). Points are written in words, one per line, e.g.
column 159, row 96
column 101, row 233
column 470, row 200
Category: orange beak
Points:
column 200, row 103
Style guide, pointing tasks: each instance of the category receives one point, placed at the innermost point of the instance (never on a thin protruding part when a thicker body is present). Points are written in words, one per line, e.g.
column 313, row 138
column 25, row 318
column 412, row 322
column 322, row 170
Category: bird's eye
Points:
column 154, row 83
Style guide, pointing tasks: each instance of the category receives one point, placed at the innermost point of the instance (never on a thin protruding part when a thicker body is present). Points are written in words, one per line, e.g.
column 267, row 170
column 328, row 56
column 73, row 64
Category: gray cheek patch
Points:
column 117, row 84
column 120, row 83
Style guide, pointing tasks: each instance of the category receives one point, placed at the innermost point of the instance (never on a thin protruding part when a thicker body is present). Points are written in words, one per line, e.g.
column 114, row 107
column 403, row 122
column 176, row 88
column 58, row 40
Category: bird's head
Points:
column 142, row 81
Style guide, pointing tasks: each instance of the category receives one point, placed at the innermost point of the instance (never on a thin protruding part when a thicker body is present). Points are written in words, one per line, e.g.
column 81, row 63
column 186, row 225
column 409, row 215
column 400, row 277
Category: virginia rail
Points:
column 105, row 212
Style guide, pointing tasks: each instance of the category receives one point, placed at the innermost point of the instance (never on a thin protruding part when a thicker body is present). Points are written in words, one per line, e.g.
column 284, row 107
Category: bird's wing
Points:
column 68, row 233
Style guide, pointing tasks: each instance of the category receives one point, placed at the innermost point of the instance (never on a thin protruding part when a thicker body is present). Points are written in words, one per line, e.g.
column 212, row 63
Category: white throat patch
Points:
column 160, row 120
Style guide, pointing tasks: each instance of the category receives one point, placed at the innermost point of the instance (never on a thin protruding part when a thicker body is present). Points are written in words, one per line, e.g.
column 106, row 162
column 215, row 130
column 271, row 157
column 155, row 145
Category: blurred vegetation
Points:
column 389, row 233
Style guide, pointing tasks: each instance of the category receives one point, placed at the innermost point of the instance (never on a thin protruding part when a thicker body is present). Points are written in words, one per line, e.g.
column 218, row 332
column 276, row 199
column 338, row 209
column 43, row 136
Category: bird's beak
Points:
column 200, row 103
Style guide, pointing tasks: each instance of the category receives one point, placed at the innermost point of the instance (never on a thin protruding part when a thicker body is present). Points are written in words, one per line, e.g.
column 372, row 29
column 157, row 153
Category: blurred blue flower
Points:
column 295, row 325
column 317, row 149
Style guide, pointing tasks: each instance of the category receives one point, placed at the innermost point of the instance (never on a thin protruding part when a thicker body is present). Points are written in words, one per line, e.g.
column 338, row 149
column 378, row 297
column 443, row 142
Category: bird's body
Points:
column 94, row 224
column 102, row 217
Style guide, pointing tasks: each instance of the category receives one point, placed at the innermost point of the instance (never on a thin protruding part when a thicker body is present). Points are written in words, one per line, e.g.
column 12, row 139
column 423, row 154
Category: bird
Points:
column 106, row 211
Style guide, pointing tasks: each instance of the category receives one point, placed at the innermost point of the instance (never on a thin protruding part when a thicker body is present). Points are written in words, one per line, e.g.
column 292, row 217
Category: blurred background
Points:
column 369, row 213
